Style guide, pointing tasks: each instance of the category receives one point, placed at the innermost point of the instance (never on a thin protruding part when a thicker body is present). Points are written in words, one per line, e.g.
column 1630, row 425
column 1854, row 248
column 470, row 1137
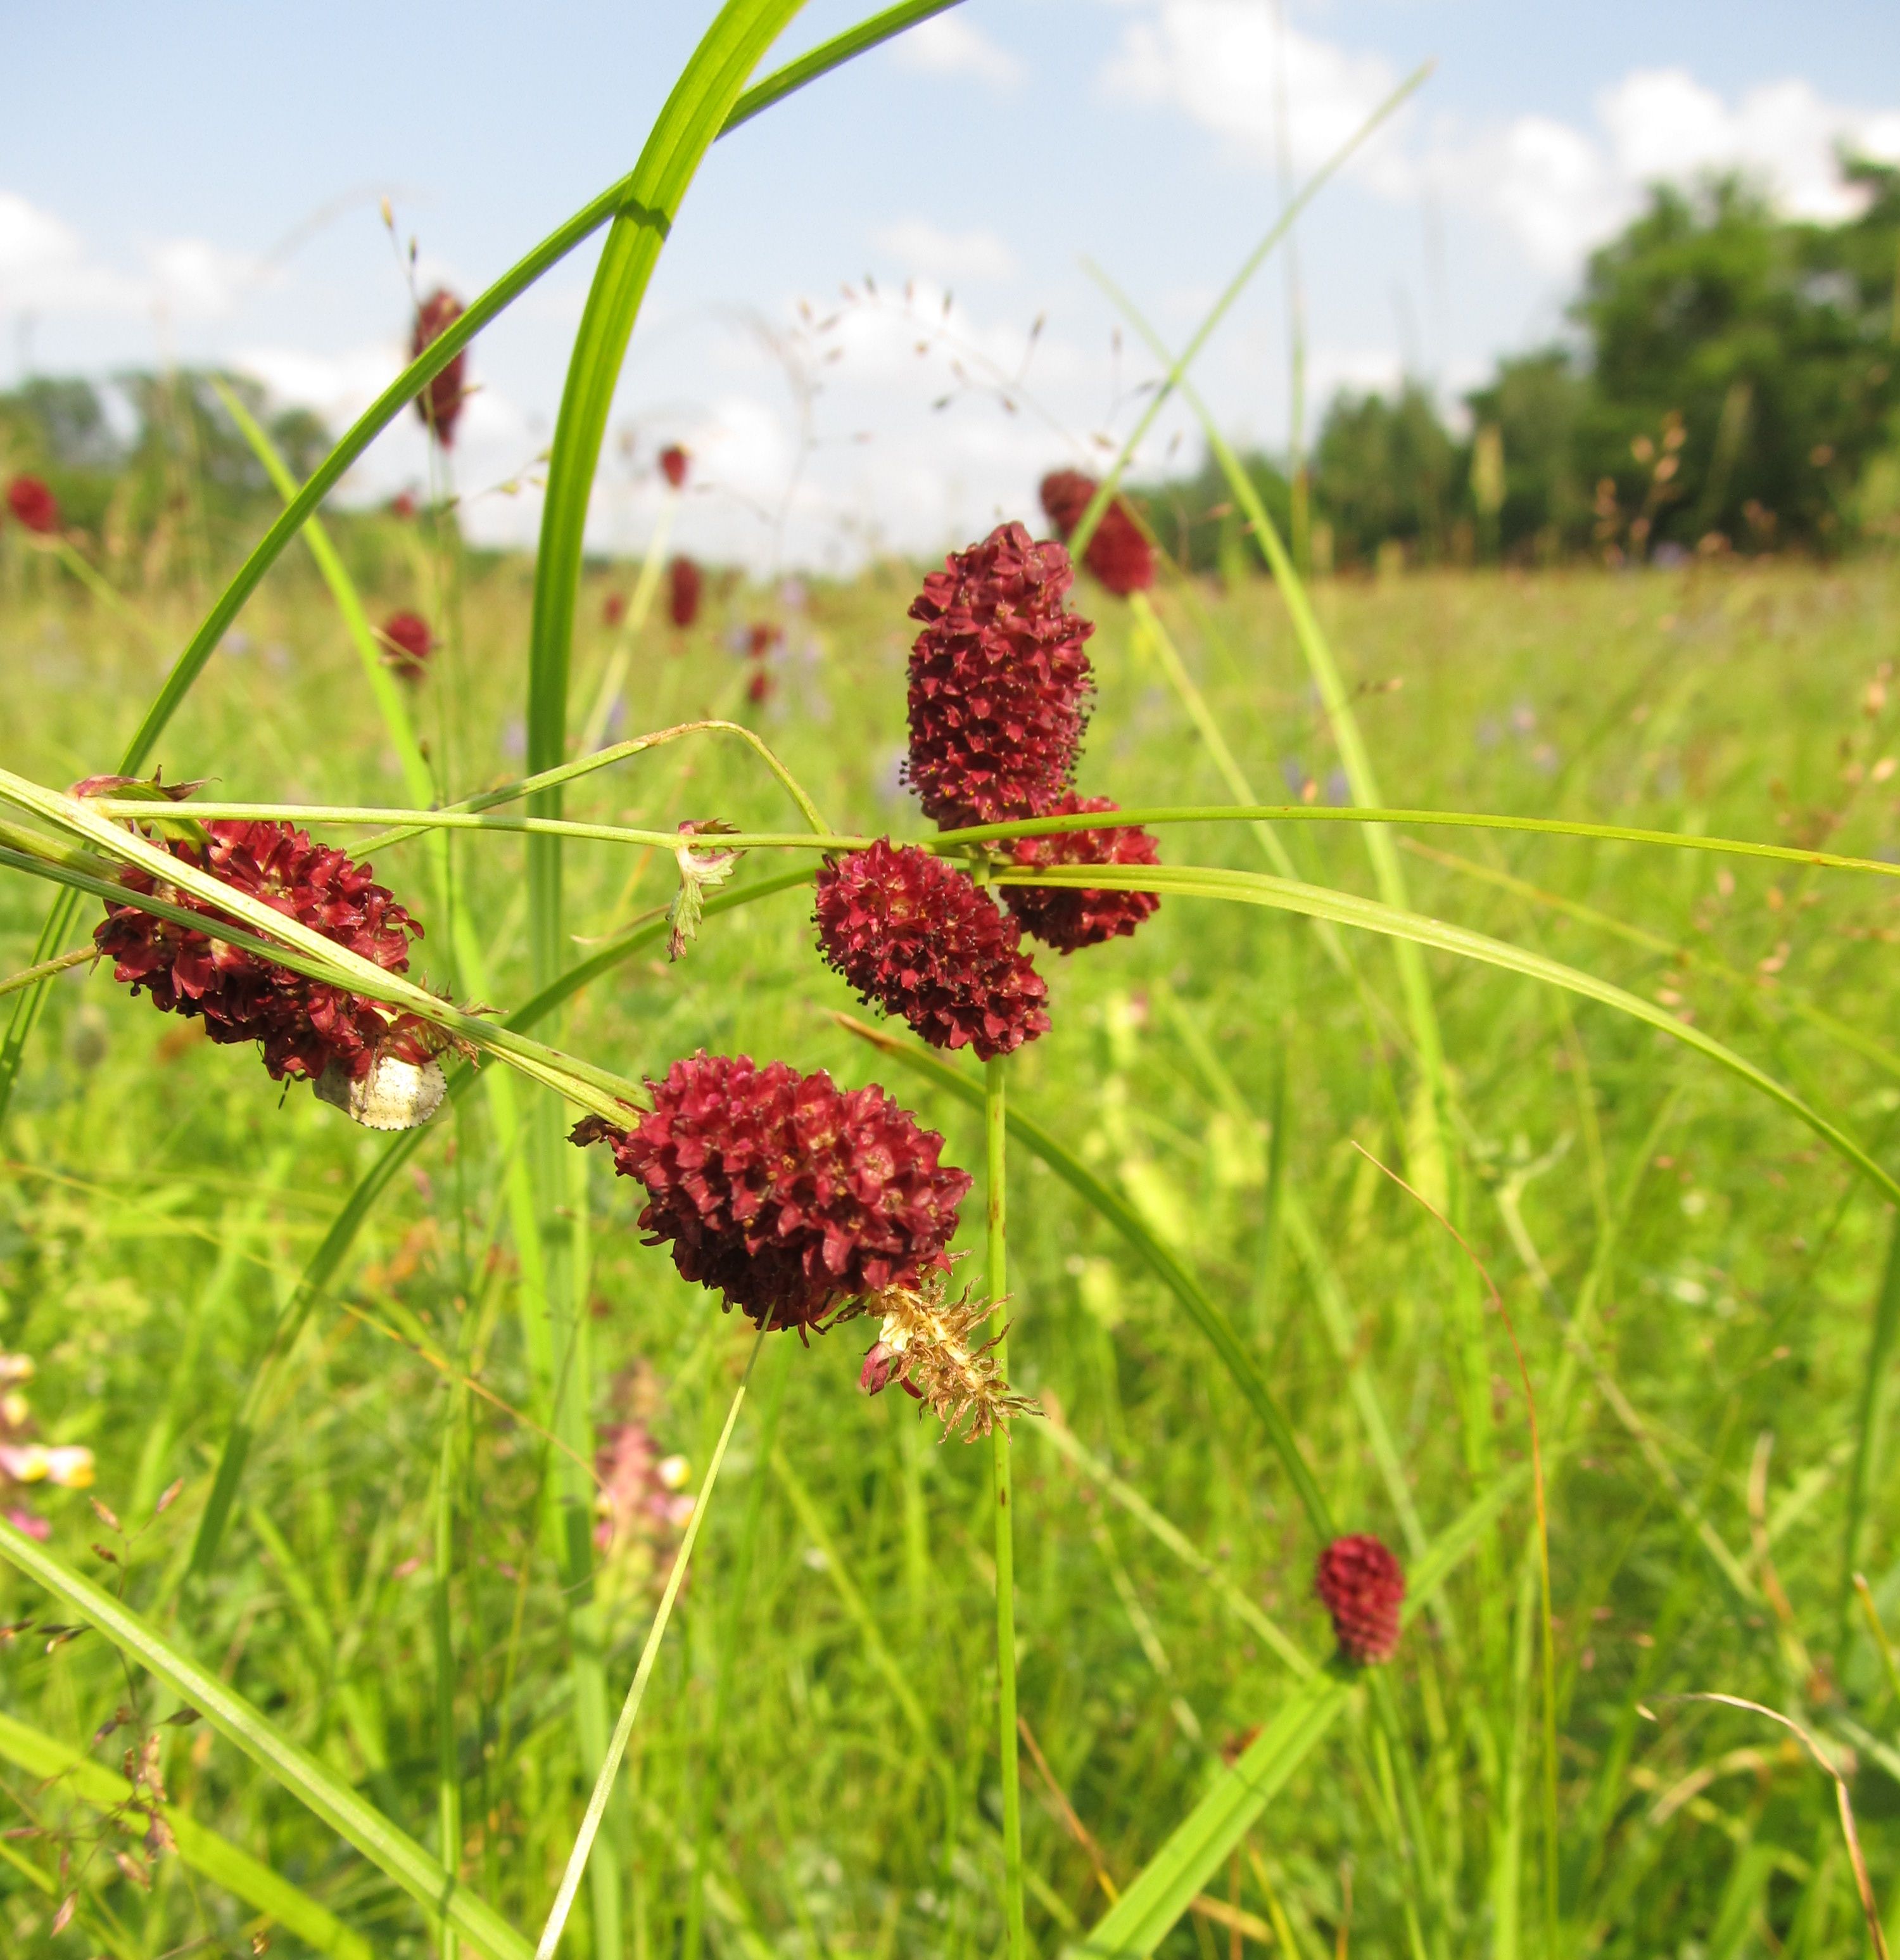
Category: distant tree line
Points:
column 1734, row 385
column 149, row 466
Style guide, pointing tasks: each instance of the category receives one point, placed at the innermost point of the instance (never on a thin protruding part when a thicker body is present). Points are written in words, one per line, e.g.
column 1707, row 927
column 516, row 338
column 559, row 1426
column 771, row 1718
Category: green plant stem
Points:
column 613, row 676
column 312, row 1783
column 630, row 1709
column 471, row 814
column 1097, row 504
column 996, row 1135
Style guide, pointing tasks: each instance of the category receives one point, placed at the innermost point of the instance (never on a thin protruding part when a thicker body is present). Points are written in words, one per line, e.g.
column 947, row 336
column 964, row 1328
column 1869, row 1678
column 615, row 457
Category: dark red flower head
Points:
column 1068, row 916
column 34, row 504
column 1360, row 1584
column 684, row 584
column 761, row 638
column 439, row 403
column 759, row 688
column 789, row 1195
column 407, row 644
column 917, row 937
column 402, row 505
column 613, row 608
column 1118, row 554
column 304, row 1024
column 673, row 460
column 998, row 682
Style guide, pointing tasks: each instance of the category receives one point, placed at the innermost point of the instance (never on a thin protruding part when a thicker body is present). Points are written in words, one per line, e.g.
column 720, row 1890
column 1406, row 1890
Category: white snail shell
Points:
column 395, row 1095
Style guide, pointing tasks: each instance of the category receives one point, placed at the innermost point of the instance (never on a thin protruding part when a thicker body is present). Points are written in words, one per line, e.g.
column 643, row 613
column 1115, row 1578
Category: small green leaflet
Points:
column 699, row 873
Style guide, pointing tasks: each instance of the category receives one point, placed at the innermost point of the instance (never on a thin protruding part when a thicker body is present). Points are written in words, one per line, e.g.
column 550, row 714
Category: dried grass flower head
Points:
column 684, row 586
column 788, row 1195
column 919, row 938
column 998, row 682
column 1068, row 916
column 926, row 1346
column 439, row 403
column 34, row 506
column 1118, row 553
column 1361, row 1584
column 407, row 644
column 306, row 1028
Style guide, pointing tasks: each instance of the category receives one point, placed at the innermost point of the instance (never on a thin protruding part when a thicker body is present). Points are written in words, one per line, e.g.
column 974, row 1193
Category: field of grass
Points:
column 1695, row 1277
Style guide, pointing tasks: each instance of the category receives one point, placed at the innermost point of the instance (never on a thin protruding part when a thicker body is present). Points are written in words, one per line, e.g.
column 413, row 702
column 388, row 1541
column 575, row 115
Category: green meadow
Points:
column 1208, row 1235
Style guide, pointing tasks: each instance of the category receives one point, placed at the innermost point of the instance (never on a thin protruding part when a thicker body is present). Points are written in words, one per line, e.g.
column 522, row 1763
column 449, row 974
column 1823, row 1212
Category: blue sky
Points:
column 201, row 182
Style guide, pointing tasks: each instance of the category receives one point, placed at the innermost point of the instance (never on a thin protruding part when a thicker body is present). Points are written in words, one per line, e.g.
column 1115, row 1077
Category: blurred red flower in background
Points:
column 439, row 403
column 684, row 586
column 673, row 460
column 34, row 504
column 407, row 644
column 1118, row 554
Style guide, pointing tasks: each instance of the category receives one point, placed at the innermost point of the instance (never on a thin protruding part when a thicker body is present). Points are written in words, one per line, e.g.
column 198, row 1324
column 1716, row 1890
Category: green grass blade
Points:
column 227, row 1867
column 1119, row 1213
column 1870, row 1418
column 630, row 1709
column 384, row 689
column 1177, row 370
column 391, row 1850
column 833, row 53
column 1149, row 1907
column 995, row 1134
column 1256, row 888
column 1426, row 1145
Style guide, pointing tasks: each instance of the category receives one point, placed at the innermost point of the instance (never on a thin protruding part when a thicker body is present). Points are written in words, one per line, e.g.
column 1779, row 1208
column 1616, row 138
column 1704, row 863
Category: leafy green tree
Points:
column 1384, row 470
column 1768, row 344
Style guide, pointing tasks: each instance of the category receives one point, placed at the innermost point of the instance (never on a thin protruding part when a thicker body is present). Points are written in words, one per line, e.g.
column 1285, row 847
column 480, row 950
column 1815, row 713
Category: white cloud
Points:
column 920, row 247
column 45, row 267
column 1228, row 66
column 1562, row 189
column 947, row 44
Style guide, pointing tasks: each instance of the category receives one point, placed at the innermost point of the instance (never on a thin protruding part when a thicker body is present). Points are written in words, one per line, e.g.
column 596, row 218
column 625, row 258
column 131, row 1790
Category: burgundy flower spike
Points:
column 1118, row 554
column 439, row 403
column 917, row 937
column 1360, row 1584
column 1068, row 916
column 999, row 682
column 787, row 1194
column 304, row 1025
column 684, row 586
column 673, row 460
column 34, row 504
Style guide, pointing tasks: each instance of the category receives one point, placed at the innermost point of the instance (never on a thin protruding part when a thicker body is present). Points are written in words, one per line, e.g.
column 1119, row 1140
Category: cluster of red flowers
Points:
column 407, row 644
column 916, row 937
column 1362, row 1585
column 33, row 505
column 439, row 403
column 787, row 1194
column 1118, row 553
column 304, row 1026
column 999, row 683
